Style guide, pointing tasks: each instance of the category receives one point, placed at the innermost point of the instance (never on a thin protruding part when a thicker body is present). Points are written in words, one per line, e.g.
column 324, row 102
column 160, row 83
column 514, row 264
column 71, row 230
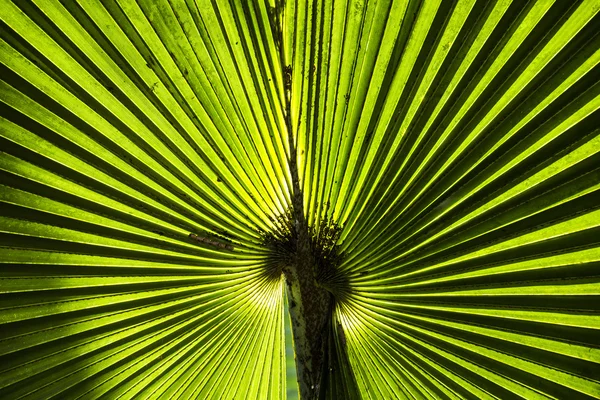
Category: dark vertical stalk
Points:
column 310, row 304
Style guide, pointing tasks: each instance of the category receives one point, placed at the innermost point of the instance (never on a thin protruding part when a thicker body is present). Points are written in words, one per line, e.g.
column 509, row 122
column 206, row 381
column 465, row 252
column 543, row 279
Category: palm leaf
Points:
column 146, row 147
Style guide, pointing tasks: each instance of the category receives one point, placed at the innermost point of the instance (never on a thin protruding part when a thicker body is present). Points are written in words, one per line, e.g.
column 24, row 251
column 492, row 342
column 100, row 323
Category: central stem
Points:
column 310, row 305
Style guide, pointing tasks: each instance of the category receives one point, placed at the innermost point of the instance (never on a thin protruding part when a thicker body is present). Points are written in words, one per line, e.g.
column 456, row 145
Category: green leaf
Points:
column 148, row 148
